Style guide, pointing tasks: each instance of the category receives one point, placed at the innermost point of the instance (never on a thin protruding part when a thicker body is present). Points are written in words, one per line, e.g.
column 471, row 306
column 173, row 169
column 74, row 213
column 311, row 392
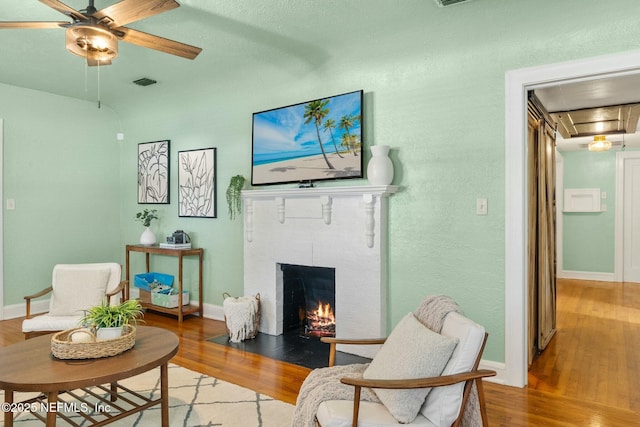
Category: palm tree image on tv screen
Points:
column 311, row 141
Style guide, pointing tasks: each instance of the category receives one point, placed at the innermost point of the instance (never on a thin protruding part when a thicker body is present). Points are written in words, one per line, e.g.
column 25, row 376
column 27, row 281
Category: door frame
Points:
column 559, row 209
column 517, row 83
column 1, row 220
column 621, row 156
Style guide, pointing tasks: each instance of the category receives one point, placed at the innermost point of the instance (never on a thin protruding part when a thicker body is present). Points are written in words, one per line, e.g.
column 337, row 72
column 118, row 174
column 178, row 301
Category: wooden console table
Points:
column 181, row 310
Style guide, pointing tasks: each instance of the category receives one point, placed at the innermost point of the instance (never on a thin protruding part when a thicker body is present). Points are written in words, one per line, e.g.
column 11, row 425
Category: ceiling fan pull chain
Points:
column 98, row 84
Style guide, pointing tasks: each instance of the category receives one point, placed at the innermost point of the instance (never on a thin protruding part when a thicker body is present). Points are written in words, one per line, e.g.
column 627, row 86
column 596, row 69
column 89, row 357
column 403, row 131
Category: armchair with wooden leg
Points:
column 74, row 288
column 418, row 377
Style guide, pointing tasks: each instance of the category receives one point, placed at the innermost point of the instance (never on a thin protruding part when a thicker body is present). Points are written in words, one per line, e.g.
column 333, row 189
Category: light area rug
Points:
column 194, row 400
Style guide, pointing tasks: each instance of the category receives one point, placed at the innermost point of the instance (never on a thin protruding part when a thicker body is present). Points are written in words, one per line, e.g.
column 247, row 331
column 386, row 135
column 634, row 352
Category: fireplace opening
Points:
column 309, row 300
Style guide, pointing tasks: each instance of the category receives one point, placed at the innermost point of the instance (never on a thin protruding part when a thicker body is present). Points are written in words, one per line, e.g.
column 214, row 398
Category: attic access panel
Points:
column 598, row 121
column 581, row 200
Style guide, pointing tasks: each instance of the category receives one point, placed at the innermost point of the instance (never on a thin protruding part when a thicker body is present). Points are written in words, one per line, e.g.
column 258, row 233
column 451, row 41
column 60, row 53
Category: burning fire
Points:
column 321, row 321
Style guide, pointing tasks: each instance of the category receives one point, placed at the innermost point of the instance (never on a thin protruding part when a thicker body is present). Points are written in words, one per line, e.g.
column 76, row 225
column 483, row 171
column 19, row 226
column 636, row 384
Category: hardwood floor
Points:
column 588, row 376
column 594, row 355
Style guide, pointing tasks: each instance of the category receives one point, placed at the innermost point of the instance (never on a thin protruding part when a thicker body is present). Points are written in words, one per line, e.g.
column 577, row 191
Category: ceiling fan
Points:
column 94, row 34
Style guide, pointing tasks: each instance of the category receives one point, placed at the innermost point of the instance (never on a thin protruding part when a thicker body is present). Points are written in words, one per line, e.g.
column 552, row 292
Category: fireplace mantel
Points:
column 344, row 228
column 287, row 204
column 360, row 190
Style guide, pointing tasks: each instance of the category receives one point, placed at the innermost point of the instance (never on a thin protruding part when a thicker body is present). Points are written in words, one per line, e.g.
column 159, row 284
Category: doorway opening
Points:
column 518, row 83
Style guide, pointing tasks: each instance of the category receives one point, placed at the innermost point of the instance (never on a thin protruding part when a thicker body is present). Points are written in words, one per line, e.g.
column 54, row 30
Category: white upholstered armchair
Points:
column 74, row 288
column 419, row 377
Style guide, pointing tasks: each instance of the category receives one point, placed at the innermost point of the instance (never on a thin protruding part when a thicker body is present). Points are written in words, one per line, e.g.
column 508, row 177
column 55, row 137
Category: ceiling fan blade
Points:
column 64, row 9
column 161, row 44
column 33, row 24
column 127, row 11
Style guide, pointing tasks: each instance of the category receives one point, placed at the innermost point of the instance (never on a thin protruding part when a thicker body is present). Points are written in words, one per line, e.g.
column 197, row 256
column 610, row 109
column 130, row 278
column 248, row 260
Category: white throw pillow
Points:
column 76, row 290
column 411, row 351
column 443, row 403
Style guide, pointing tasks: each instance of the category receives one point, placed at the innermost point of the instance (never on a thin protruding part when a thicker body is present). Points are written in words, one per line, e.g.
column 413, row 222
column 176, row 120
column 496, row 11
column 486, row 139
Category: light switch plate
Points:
column 481, row 206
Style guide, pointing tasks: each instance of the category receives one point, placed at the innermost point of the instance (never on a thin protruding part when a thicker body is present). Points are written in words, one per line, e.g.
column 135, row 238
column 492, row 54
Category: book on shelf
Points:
column 175, row 245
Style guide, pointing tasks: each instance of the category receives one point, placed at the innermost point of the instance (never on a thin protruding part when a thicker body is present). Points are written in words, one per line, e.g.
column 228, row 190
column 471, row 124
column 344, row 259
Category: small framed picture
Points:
column 197, row 183
column 153, row 172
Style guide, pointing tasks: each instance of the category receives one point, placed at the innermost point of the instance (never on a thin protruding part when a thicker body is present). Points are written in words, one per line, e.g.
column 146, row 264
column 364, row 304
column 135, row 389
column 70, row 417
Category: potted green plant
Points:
column 107, row 320
column 146, row 217
column 234, row 199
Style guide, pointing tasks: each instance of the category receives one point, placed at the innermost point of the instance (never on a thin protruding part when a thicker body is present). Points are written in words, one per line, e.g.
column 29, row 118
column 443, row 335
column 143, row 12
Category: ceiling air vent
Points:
column 145, row 81
column 443, row 3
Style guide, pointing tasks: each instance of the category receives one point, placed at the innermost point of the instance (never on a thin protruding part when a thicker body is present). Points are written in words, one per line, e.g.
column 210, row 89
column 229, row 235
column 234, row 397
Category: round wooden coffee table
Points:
column 29, row 366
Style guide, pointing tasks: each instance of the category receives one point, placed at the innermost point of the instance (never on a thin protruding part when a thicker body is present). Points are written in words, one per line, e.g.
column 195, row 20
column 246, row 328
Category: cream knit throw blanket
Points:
column 240, row 314
column 324, row 384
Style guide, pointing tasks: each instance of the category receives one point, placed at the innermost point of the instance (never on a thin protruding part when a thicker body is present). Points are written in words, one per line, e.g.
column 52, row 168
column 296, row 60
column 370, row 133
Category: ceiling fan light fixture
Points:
column 599, row 143
column 95, row 44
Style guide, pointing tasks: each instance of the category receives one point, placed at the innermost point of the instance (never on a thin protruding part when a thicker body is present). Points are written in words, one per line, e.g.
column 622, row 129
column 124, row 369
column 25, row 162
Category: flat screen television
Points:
column 311, row 141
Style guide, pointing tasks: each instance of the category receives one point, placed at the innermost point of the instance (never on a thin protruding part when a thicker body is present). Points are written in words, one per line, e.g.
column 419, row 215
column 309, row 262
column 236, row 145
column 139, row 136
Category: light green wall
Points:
column 61, row 165
column 434, row 92
column 588, row 239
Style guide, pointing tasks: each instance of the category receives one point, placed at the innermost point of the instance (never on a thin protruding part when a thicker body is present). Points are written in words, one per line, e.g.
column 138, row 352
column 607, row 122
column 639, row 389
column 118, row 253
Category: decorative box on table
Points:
column 169, row 300
column 147, row 283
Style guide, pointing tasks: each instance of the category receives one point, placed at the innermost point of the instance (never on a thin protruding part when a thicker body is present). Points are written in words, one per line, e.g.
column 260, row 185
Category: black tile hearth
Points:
column 290, row 347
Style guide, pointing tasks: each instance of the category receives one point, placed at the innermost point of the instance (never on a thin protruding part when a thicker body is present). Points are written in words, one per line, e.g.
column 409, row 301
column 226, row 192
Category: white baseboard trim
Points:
column 20, row 310
column 211, row 311
column 214, row 312
column 587, row 275
column 501, row 372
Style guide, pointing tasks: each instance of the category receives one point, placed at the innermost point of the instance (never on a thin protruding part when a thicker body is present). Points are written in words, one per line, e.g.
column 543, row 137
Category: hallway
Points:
column 595, row 355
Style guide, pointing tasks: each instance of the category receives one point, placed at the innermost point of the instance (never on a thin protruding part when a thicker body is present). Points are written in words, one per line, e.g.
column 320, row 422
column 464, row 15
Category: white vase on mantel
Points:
column 380, row 167
column 147, row 237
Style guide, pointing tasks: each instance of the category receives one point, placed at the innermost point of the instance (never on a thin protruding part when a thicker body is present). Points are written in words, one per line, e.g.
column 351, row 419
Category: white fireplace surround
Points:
column 337, row 227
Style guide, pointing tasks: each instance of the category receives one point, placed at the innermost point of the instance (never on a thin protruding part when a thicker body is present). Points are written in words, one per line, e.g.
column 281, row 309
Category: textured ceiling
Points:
column 291, row 35
column 615, row 90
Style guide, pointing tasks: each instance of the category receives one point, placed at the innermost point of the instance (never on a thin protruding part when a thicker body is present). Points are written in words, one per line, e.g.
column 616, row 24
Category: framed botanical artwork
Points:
column 197, row 183
column 153, row 172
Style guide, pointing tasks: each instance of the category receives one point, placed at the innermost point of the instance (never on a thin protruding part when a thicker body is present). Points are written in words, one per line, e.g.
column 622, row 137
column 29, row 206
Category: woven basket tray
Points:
column 256, row 322
column 63, row 348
